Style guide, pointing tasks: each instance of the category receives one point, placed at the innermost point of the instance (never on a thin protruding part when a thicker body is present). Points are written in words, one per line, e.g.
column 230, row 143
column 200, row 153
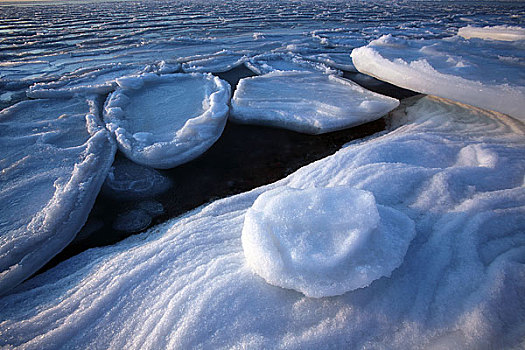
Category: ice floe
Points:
column 486, row 74
column 127, row 180
column 456, row 171
column 306, row 102
column 55, row 154
column 504, row 33
column 324, row 241
column 267, row 63
column 217, row 63
column 163, row 121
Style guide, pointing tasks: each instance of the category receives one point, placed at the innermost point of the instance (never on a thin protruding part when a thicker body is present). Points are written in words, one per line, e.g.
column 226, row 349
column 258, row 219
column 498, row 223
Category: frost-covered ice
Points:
column 306, row 102
column 55, row 154
column 267, row 63
column 127, row 180
column 217, row 63
column 486, row 74
column 456, row 171
column 164, row 121
column 504, row 33
column 323, row 241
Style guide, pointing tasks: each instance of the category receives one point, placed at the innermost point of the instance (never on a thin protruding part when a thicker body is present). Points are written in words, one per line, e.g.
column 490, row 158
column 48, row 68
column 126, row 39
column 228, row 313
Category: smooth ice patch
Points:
column 306, row 102
column 55, row 156
column 486, row 74
column 323, row 241
column 164, row 121
column 504, row 33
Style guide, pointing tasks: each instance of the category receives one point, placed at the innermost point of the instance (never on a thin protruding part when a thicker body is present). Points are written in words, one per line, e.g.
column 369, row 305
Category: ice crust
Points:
column 486, row 74
column 306, row 102
column 55, row 154
column 217, row 63
column 504, row 33
column 286, row 62
column 164, row 121
column 323, row 241
column 456, row 171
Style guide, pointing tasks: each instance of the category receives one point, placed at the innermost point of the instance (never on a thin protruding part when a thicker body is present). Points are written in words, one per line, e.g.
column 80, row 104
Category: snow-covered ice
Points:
column 504, row 33
column 323, row 241
column 55, row 154
column 164, row 121
column 486, row 74
column 456, row 171
column 127, row 180
column 306, row 102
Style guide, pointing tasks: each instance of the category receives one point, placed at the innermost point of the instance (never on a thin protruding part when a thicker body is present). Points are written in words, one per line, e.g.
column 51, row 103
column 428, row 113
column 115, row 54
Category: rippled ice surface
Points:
column 49, row 41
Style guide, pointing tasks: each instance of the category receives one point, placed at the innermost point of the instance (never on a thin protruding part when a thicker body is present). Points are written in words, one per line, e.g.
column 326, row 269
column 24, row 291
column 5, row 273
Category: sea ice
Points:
column 164, row 121
column 267, row 63
column 504, row 33
column 55, row 154
column 217, row 63
column 133, row 220
column 306, row 102
column 456, row 171
column 127, row 180
column 486, row 74
column 323, row 241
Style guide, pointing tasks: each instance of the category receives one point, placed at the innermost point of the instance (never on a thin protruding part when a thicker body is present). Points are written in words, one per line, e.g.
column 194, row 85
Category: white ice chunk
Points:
column 164, row 121
column 54, row 156
column 306, row 102
column 486, row 74
column 186, row 284
column 323, row 241
column 127, row 180
column 504, row 33
column 267, row 63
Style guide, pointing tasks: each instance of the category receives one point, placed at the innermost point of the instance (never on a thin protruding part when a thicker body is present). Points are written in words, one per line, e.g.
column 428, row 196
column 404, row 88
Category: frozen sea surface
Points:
column 55, row 156
column 186, row 283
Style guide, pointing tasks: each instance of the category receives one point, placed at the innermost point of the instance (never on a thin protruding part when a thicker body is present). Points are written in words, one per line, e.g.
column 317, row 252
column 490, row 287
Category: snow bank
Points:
column 55, row 156
column 504, row 33
column 164, row 121
column 457, row 172
column 323, row 241
column 485, row 74
column 306, row 102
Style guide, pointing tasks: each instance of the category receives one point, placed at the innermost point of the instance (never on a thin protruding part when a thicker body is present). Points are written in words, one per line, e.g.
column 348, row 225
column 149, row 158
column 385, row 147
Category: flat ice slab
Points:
column 219, row 62
column 286, row 62
column 164, row 121
column 324, row 241
column 306, row 102
column 54, row 156
column 503, row 33
column 486, row 74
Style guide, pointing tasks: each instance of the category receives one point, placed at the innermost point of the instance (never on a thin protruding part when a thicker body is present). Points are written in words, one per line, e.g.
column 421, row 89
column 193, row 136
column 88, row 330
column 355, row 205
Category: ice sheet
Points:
column 306, row 102
column 164, row 121
column 217, row 63
column 504, row 33
column 486, row 74
column 457, row 172
column 267, row 63
column 55, row 154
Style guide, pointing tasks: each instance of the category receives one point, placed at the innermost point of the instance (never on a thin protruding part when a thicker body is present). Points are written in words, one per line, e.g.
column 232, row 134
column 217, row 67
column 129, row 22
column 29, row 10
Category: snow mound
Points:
column 127, row 180
column 164, row 121
column 55, row 156
column 323, row 241
column 306, row 102
column 456, row 171
column 486, row 74
column 504, row 33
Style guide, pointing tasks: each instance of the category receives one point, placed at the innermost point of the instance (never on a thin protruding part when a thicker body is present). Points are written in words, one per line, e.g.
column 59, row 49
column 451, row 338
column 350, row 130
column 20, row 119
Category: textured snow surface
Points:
column 457, row 172
column 323, row 241
column 54, row 156
column 504, row 33
column 164, row 121
column 486, row 74
column 306, row 102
